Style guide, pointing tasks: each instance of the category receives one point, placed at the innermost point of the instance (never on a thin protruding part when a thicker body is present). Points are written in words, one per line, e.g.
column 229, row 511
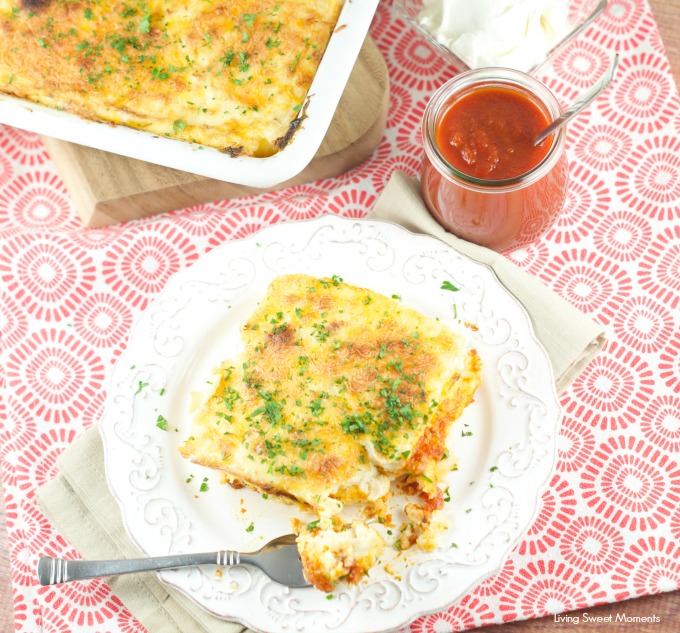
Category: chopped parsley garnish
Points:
column 162, row 423
column 145, row 23
column 295, row 470
column 447, row 285
column 243, row 66
column 321, row 332
column 355, row 423
column 271, row 409
column 140, row 385
column 159, row 73
column 293, row 65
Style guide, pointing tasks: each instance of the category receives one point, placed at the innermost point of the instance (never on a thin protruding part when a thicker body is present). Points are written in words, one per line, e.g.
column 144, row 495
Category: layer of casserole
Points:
column 339, row 393
column 230, row 75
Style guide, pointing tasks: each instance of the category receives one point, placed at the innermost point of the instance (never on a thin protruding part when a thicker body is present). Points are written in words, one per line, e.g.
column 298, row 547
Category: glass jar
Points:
column 500, row 214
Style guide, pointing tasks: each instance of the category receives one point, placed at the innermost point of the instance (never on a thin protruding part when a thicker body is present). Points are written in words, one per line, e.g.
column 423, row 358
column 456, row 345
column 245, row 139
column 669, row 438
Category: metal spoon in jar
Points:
column 582, row 103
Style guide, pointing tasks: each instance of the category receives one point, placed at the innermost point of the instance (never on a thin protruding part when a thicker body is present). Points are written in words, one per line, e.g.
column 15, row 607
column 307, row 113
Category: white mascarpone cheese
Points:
column 510, row 33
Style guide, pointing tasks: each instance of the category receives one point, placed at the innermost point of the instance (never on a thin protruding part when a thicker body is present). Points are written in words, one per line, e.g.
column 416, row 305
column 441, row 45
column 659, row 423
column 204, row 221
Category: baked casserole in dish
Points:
column 230, row 75
column 158, row 81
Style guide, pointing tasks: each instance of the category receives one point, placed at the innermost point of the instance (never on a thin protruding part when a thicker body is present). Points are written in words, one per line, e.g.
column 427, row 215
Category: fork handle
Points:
column 53, row 571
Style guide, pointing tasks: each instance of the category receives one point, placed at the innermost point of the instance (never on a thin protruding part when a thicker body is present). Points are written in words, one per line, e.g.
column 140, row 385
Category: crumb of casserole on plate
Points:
column 341, row 395
column 230, row 75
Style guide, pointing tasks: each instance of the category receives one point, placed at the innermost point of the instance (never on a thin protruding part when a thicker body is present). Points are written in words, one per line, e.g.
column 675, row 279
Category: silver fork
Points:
column 279, row 559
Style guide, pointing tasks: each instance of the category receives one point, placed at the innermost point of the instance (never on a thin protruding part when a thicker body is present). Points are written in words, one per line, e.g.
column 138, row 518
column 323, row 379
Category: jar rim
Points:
column 483, row 78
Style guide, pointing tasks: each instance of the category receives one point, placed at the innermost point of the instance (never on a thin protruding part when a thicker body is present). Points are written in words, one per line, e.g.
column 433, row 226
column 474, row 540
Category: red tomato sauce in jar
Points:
column 489, row 133
column 482, row 179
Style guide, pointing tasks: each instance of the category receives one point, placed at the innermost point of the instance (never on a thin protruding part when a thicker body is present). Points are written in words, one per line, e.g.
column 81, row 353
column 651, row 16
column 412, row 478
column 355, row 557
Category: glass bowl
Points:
column 581, row 13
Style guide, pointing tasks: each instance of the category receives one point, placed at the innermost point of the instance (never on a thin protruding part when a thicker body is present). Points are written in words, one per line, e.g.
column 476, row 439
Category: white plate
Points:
column 323, row 97
column 194, row 325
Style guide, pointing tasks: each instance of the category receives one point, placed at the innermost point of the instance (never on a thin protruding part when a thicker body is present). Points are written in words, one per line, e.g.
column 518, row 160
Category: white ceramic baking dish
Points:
column 323, row 97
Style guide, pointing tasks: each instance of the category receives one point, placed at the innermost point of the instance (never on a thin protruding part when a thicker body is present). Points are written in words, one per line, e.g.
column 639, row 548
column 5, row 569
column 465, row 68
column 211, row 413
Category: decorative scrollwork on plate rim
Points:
column 507, row 436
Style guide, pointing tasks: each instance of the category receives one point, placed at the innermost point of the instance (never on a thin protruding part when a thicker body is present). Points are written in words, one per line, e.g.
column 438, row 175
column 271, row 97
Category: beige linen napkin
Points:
column 79, row 503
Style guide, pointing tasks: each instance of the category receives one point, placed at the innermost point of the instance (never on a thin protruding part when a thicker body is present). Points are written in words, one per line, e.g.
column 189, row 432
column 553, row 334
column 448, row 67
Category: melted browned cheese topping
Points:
column 338, row 387
column 230, row 75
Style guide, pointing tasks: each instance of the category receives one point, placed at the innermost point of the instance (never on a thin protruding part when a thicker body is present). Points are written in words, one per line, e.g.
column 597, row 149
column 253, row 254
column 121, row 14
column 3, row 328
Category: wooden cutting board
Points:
column 108, row 188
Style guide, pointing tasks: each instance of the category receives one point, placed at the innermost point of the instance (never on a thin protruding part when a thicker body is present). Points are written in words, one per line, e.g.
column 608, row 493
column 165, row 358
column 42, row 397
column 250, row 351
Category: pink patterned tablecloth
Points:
column 608, row 527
